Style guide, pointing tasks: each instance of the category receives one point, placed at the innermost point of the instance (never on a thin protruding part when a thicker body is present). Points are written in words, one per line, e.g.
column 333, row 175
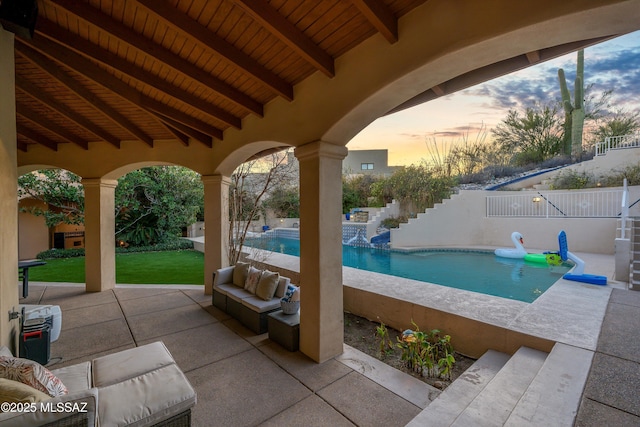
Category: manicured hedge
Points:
column 71, row 253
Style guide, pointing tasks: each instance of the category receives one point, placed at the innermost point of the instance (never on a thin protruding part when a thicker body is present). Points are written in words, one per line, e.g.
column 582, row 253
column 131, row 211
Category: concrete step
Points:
column 455, row 398
column 494, row 404
column 557, row 388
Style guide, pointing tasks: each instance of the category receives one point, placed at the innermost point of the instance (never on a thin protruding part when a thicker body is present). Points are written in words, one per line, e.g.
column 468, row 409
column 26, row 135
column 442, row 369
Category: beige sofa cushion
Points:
column 17, row 392
column 130, row 363
column 267, row 285
column 147, row 399
column 87, row 400
column 238, row 294
column 282, row 286
column 240, row 271
column 76, row 377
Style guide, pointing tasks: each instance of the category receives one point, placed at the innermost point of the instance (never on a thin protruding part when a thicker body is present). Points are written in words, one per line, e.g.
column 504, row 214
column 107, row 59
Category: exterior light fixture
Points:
column 536, row 199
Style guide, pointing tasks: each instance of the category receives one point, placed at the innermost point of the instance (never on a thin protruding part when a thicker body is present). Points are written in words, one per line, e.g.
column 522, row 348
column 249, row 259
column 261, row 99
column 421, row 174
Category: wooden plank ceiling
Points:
column 183, row 70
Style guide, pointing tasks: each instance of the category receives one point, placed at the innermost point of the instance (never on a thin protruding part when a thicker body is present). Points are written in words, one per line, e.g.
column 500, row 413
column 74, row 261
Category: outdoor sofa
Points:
column 248, row 294
column 141, row 386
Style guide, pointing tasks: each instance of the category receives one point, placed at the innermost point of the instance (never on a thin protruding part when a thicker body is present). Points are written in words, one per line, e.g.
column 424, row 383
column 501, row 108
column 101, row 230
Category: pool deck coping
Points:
column 568, row 312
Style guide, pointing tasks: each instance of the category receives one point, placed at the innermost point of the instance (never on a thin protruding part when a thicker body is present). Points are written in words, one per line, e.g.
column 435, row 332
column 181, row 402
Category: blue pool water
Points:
column 474, row 271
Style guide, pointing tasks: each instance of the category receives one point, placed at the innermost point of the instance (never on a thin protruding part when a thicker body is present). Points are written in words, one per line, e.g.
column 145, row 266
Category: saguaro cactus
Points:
column 574, row 114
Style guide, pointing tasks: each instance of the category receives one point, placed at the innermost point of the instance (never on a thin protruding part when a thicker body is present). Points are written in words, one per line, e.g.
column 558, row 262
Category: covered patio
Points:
column 240, row 378
column 103, row 89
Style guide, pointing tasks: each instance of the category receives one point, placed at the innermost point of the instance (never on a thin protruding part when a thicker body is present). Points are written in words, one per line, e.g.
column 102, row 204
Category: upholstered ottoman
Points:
column 143, row 386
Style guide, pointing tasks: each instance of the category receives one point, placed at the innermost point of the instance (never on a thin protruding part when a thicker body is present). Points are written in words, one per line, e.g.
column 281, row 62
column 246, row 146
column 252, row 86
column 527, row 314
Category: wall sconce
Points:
column 536, row 199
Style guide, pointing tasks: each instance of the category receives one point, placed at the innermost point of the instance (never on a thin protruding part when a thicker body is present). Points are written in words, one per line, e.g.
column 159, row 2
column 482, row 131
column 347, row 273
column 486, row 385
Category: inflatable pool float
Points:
column 577, row 274
column 536, row 258
column 517, row 252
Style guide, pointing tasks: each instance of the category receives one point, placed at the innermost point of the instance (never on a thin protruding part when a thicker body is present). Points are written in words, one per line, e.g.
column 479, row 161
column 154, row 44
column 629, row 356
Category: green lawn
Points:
column 170, row 267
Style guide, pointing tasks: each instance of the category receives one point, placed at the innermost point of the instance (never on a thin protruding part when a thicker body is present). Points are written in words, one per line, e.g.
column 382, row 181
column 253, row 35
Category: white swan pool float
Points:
column 518, row 252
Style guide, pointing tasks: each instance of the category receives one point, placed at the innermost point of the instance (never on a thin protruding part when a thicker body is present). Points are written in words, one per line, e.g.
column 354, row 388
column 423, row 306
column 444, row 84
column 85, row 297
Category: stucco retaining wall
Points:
column 462, row 221
column 470, row 337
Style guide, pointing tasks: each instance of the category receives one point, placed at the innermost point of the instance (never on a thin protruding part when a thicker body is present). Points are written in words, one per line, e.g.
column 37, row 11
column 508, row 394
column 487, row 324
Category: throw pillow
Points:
column 240, row 273
column 267, row 285
column 16, row 392
column 253, row 278
column 32, row 374
column 282, row 286
column 289, row 292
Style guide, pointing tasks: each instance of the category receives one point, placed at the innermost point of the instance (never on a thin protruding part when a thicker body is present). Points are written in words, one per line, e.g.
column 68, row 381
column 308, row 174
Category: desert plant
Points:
column 386, row 345
column 574, row 113
column 427, row 353
column 572, row 180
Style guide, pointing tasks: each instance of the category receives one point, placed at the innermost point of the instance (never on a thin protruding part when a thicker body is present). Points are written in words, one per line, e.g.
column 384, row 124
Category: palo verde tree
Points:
column 60, row 190
column 532, row 137
column 153, row 204
column 251, row 183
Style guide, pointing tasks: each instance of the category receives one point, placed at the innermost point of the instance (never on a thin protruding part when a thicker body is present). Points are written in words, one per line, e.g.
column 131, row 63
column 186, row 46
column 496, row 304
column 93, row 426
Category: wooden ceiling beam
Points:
column 92, row 71
column 54, row 71
column 50, row 125
column 184, row 139
column 289, row 34
column 209, row 40
column 62, row 109
column 198, row 136
column 380, row 16
column 129, row 36
column 37, row 137
column 109, row 59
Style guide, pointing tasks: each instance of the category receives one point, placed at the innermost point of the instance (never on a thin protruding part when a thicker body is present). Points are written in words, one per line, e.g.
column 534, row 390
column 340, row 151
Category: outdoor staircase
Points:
column 530, row 388
column 544, row 185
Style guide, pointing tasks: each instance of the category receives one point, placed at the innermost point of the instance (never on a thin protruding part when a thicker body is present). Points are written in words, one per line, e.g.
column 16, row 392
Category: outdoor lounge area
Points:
column 240, row 378
column 245, row 379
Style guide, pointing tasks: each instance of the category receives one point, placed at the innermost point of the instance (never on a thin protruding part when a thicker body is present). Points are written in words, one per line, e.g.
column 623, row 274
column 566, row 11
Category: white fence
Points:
column 618, row 142
column 575, row 204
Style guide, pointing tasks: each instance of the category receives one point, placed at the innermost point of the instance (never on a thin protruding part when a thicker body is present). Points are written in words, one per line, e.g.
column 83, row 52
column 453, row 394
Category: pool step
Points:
column 455, row 398
column 531, row 388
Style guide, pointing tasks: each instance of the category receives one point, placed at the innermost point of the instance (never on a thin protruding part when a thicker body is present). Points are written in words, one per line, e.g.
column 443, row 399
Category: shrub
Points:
column 572, row 180
column 393, row 222
column 180, row 244
column 61, row 253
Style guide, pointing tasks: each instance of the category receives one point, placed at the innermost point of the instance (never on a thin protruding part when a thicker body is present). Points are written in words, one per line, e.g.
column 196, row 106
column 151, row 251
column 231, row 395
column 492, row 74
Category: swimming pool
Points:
column 476, row 271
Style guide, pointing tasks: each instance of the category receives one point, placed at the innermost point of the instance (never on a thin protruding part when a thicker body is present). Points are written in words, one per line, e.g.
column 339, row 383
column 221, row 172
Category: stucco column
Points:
column 8, row 193
column 100, row 238
column 321, row 306
column 216, row 226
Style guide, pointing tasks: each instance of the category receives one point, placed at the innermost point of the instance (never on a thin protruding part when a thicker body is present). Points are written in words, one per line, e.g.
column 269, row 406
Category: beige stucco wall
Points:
column 8, row 192
column 461, row 221
column 33, row 234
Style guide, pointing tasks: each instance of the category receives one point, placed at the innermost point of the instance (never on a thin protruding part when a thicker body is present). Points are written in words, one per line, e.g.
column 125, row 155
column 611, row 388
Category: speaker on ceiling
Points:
column 19, row 16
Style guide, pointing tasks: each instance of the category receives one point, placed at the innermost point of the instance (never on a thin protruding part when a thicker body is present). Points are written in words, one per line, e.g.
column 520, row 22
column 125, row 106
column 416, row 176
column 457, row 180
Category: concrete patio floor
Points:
column 245, row 379
column 241, row 379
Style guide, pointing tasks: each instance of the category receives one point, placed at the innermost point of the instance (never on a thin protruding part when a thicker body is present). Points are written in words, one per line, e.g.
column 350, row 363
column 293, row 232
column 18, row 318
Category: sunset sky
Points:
column 614, row 64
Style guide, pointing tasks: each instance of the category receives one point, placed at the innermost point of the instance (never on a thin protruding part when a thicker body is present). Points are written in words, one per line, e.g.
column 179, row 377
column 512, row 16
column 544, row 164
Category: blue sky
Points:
column 614, row 64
